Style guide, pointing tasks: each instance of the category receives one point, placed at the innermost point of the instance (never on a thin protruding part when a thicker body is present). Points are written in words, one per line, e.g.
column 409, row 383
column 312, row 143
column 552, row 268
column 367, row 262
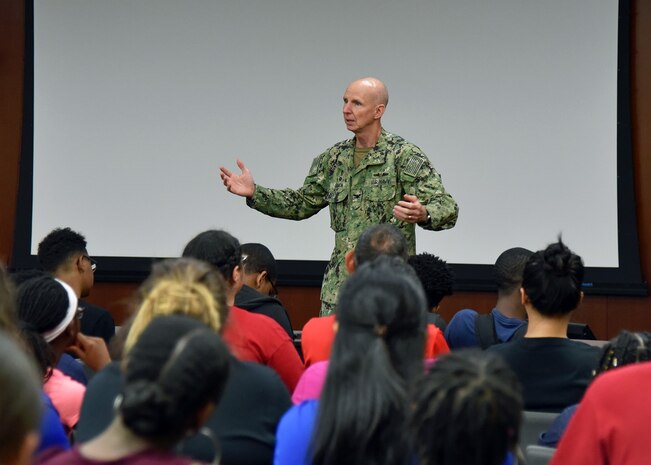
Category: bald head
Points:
column 374, row 89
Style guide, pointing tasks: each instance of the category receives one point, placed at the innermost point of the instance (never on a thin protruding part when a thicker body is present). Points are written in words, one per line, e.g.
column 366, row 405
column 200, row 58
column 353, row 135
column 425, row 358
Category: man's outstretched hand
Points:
column 239, row 184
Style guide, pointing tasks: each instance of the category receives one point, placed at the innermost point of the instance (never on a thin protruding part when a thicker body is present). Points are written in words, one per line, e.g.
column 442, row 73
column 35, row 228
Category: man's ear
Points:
column 524, row 298
column 379, row 110
column 349, row 260
column 260, row 279
column 236, row 275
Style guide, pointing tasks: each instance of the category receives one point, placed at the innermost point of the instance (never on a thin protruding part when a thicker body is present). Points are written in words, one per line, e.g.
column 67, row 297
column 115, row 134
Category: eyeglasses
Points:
column 93, row 263
column 80, row 313
column 274, row 289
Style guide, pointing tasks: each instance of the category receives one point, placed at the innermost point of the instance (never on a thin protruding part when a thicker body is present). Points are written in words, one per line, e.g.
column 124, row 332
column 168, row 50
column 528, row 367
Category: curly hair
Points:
column 58, row 246
column 435, row 275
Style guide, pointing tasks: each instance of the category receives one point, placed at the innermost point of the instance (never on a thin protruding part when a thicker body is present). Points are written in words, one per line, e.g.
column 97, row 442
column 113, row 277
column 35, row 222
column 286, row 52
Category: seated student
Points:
column 507, row 321
column 258, row 293
column 611, row 424
column 51, row 432
column 254, row 399
column 379, row 240
column 437, row 280
column 554, row 371
column 625, row 349
column 63, row 254
column 174, row 377
column 49, row 322
column 467, row 411
column 377, row 355
column 20, row 404
column 251, row 337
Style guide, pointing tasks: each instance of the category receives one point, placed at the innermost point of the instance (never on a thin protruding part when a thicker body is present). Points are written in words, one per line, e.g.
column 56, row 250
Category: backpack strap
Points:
column 485, row 330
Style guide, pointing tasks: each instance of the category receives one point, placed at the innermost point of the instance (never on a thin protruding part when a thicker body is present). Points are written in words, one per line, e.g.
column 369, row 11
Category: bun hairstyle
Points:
column 377, row 353
column 466, row 411
column 42, row 304
column 176, row 368
column 20, row 398
column 182, row 286
column 552, row 279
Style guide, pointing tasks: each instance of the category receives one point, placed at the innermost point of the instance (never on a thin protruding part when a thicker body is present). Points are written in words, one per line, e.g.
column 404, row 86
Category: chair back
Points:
column 533, row 424
column 538, row 455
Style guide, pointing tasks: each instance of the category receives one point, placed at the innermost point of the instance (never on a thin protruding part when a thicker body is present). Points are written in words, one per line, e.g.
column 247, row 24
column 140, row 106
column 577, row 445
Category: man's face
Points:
column 361, row 107
column 88, row 274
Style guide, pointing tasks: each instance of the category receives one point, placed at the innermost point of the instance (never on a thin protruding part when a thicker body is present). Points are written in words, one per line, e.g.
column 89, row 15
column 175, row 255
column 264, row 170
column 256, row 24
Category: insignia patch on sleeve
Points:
column 413, row 165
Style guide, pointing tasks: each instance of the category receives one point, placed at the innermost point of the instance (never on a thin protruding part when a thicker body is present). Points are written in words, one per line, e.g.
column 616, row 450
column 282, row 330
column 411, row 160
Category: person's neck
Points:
column 68, row 278
column 116, row 442
column 510, row 305
column 545, row 326
column 368, row 138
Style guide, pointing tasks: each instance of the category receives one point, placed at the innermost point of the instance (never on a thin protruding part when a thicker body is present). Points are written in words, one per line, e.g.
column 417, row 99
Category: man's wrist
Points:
column 427, row 221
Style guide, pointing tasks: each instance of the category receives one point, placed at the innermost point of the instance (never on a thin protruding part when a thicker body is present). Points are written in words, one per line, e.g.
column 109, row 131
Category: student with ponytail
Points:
column 174, row 377
column 377, row 355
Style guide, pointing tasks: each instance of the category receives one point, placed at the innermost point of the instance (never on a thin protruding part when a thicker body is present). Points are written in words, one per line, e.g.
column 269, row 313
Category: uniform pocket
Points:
column 338, row 200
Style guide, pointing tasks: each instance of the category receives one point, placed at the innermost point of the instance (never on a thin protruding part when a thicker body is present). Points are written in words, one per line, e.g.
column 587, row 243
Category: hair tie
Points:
column 380, row 330
column 52, row 334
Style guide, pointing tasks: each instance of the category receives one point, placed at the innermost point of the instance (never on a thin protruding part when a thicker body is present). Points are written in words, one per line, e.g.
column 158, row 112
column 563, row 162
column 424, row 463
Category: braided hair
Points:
column 180, row 286
column 626, row 348
column 466, row 411
column 177, row 367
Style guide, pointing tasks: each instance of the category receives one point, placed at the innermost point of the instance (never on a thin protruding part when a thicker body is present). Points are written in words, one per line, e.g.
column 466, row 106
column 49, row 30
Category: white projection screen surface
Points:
column 136, row 105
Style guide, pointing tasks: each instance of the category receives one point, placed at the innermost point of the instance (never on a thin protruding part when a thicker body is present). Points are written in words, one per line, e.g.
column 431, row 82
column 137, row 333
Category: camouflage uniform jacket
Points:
column 361, row 197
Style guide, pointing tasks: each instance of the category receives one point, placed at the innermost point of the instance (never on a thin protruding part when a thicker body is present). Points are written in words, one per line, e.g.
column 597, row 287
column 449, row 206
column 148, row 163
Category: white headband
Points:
column 72, row 311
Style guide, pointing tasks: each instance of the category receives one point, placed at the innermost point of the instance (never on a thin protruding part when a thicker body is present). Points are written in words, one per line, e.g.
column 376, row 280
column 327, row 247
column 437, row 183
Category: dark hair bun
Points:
column 146, row 409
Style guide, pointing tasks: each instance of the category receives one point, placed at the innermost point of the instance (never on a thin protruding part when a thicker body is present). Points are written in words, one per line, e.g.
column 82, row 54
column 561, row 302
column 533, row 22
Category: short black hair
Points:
column 466, row 411
column 58, row 246
column 381, row 239
column 434, row 274
column 218, row 248
column 257, row 258
column 509, row 267
column 552, row 279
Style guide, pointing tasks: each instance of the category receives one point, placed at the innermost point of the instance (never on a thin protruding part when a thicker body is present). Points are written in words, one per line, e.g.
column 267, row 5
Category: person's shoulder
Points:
column 318, row 323
column 261, row 383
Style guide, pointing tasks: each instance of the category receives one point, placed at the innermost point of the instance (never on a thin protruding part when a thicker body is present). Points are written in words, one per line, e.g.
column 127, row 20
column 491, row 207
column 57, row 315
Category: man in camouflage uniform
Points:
column 375, row 177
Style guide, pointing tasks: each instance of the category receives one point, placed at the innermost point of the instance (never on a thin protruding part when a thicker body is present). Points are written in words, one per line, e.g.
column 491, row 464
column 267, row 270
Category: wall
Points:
column 605, row 315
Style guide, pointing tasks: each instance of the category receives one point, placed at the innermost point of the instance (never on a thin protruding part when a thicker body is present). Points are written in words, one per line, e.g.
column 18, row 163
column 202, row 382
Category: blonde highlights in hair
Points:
column 182, row 286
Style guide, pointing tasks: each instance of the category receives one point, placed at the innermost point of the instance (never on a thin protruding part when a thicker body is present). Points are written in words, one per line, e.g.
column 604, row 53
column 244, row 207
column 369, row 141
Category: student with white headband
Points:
column 49, row 315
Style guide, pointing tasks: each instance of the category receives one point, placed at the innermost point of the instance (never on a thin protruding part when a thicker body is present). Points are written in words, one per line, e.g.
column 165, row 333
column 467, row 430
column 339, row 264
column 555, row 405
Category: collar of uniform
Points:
column 376, row 156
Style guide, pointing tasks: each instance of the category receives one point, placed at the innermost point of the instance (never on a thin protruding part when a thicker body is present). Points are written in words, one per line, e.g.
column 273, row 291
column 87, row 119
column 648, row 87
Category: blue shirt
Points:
column 52, row 433
column 461, row 329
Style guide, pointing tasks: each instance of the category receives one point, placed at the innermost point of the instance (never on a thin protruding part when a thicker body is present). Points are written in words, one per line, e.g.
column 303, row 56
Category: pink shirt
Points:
column 66, row 395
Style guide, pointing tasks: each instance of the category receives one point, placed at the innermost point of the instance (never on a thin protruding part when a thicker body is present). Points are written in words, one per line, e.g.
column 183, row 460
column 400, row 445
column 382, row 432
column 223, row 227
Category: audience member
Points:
column 255, row 398
column 554, row 371
column 625, row 349
column 379, row 240
column 507, row 321
column 437, row 279
column 63, row 253
column 20, row 404
column 258, row 293
column 49, row 323
column 251, row 337
column 467, row 411
column 51, row 432
column 377, row 355
column 610, row 426
column 174, row 377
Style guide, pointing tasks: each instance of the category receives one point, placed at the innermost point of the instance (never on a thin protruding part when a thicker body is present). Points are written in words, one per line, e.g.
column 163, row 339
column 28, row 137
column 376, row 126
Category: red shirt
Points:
column 253, row 337
column 318, row 336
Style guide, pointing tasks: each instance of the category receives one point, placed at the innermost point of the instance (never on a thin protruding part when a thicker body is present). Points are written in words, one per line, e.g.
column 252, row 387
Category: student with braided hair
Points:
column 554, row 371
column 377, row 355
column 254, row 398
column 174, row 377
column 467, row 411
column 49, row 317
